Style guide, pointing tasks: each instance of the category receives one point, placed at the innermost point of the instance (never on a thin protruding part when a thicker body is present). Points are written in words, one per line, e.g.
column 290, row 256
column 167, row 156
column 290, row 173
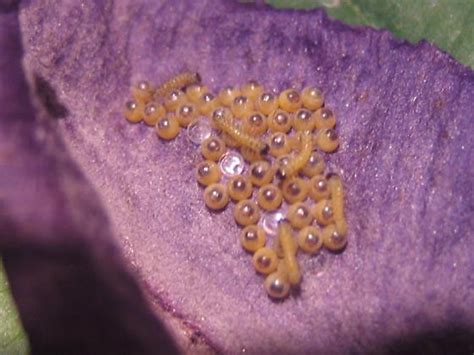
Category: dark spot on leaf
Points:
column 49, row 99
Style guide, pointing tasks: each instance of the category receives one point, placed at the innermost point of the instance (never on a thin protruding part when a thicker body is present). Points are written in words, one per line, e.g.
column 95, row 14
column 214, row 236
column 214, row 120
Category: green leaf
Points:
column 12, row 336
column 447, row 23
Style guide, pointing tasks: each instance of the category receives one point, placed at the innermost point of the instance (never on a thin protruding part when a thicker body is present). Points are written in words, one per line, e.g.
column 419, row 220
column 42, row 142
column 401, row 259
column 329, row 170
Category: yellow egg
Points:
column 167, row 127
column 323, row 212
column 261, row 173
column 186, row 113
column 327, row 140
column 265, row 260
column 299, row 215
column 290, row 100
column 324, row 118
column 294, row 189
column 216, row 196
column 310, row 240
column 239, row 188
column 266, row 103
column 280, row 121
column 269, row 197
column 228, row 94
column 246, row 212
column 332, row 240
column 207, row 172
column 153, row 112
column 212, row 148
column 312, row 98
column 318, row 188
column 134, row 111
column 252, row 90
column 252, row 238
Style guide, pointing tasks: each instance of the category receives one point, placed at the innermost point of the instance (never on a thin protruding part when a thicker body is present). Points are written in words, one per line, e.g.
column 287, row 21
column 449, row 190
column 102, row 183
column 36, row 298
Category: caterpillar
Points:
column 179, row 81
column 289, row 248
column 337, row 195
column 235, row 132
column 300, row 160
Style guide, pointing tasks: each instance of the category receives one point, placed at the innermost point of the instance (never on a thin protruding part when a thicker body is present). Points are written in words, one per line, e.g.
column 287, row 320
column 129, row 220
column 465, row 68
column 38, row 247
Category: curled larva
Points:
column 289, row 247
column 236, row 133
column 178, row 82
column 300, row 160
column 337, row 196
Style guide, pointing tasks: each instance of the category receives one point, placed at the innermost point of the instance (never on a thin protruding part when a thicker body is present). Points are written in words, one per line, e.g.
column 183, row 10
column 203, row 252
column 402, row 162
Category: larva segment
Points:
column 300, row 160
column 178, row 82
column 289, row 247
column 337, row 193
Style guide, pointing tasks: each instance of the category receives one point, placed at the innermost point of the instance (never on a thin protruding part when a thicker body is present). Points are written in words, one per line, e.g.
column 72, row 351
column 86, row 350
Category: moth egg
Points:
column 252, row 238
column 207, row 104
column 239, row 188
column 327, row 140
column 216, row 196
column 207, row 172
column 227, row 95
column 133, row 111
column 255, row 124
column 294, row 189
column 290, row 100
column 323, row 212
column 261, row 173
column 241, row 106
column 279, row 144
column 186, row 113
column 280, row 121
column 303, row 120
column 277, row 285
column 194, row 92
column 269, row 197
column 174, row 99
column 310, row 240
column 266, row 103
column 312, row 98
column 246, row 212
column 252, row 90
column 333, row 240
column 213, row 148
column 319, row 188
column 265, row 260
column 152, row 112
column 142, row 92
column 167, row 127
column 299, row 215
column 324, row 118
column 315, row 165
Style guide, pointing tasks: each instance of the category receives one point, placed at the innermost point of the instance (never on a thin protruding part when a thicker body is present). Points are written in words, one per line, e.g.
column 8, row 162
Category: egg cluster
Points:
column 279, row 140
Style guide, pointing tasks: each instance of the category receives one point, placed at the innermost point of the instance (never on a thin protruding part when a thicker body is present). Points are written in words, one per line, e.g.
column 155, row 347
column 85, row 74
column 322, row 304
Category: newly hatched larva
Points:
column 152, row 112
column 327, row 140
column 252, row 238
column 167, row 127
column 303, row 120
column 280, row 121
column 265, row 260
column 332, row 240
column 261, row 173
column 241, row 106
column 279, row 144
column 235, row 132
column 312, row 98
column 315, row 165
column 134, row 111
column 195, row 91
column 246, row 212
column 207, row 103
column 252, row 90
column 290, row 100
column 228, row 94
column 289, row 247
column 324, row 118
column 266, row 103
column 174, row 99
column 294, row 189
column 255, row 124
column 299, row 215
column 301, row 158
column 323, row 212
column 310, row 240
column 207, row 172
column 269, row 197
column 216, row 196
column 318, row 188
column 186, row 113
column 276, row 284
column 142, row 92
column 212, row 148
column 337, row 197
column 178, row 82
column 239, row 188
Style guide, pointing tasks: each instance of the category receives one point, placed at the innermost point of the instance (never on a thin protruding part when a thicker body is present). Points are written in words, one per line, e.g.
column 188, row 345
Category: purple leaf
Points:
column 80, row 187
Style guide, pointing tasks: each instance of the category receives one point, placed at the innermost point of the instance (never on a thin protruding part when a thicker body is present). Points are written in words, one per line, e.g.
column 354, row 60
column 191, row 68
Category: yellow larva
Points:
column 300, row 160
column 235, row 132
column 289, row 247
column 337, row 194
column 178, row 82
